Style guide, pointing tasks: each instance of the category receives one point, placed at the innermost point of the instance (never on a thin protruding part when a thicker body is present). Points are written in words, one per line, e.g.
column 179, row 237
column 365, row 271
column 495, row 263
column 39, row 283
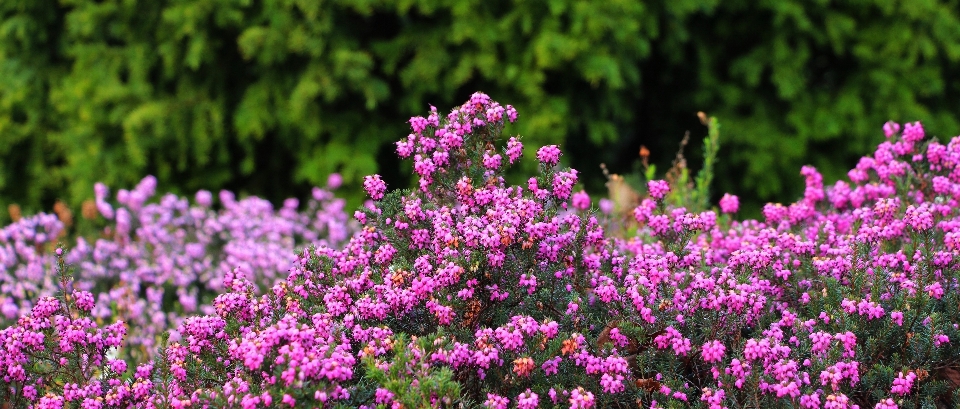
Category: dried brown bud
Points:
column 88, row 210
column 15, row 213
column 648, row 384
column 64, row 214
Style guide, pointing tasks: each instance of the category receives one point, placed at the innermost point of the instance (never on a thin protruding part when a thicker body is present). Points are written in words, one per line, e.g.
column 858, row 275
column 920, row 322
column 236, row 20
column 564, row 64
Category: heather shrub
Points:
column 27, row 263
column 57, row 356
column 468, row 291
column 155, row 262
column 840, row 299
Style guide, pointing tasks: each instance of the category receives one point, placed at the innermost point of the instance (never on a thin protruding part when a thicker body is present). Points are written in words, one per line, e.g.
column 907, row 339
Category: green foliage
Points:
column 711, row 145
column 410, row 377
column 268, row 97
column 694, row 195
column 800, row 81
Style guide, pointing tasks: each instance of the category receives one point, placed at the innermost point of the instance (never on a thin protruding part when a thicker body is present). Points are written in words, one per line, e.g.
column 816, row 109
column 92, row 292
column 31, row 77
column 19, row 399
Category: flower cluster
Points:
column 57, row 356
column 471, row 291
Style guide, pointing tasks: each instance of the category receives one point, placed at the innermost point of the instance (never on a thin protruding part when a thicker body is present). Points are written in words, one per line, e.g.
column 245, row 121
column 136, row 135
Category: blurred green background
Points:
column 269, row 97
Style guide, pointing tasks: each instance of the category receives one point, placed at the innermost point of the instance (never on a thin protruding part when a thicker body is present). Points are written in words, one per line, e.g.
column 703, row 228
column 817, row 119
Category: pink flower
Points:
column 514, row 149
column 821, row 342
column 886, row 404
column 903, row 383
column 563, row 184
column 334, row 180
column 713, row 351
column 897, row 318
column 496, row 402
column 838, row 401
column 672, row 338
column 374, row 186
column 549, row 155
column 511, row 113
column 890, row 128
column 713, row 397
column 810, row 401
column 204, row 198
column 118, row 365
column 612, row 383
column 528, row 400
column 729, row 203
column 84, row 300
column 491, row 161
column 935, row 290
column 658, row 188
column 581, row 200
column 606, row 206
column 912, row 132
column 581, row 399
column 849, row 341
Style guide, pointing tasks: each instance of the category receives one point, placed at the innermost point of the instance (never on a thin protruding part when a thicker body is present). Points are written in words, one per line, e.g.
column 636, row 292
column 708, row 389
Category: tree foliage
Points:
column 271, row 96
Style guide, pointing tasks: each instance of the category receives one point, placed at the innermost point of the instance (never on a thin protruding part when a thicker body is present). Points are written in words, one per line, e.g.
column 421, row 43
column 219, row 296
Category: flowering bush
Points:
column 471, row 292
column 155, row 263
column 56, row 356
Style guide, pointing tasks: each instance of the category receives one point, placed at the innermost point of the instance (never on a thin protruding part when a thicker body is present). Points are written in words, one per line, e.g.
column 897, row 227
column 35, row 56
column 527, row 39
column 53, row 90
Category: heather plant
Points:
column 490, row 273
column 468, row 291
column 845, row 298
column 57, row 356
column 818, row 291
column 157, row 262
column 26, row 264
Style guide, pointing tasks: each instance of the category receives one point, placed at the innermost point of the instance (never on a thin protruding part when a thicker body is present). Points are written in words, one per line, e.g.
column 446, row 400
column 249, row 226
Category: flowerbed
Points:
column 471, row 292
column 155, row 263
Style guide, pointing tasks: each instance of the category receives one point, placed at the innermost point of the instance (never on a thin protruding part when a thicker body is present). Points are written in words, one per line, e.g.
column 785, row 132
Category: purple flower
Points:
column 334, row 181
column 657, row 189
column 204, row 198
column 713, row 351
column 581, row 200
column 897, row 318
column 886, row 404
column 903, row 383
column 374, row 186
column 581, row 399
column 495, row 402
column 912, row 132
column 514, row 149
column 729, row 203
column 606, row 206
column 550, row 366
column 528, row 400
column 84, row 300
column 549, row 155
